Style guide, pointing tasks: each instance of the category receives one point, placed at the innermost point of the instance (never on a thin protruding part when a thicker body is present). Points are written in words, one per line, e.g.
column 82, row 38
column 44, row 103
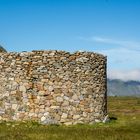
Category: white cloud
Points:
column 122, row 57
column 121, row 43
column 125, row 75
column 106, row 40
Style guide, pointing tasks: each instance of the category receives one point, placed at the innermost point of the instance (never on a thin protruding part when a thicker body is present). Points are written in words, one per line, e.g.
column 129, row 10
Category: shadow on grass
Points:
column 113, row 118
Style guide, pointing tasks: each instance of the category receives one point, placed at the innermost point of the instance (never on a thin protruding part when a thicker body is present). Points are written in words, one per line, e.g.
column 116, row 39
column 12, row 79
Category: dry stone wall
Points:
column 53, row 87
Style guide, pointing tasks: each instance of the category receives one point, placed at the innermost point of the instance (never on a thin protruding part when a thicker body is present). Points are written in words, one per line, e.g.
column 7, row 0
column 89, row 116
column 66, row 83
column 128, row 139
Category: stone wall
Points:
column 53, row 87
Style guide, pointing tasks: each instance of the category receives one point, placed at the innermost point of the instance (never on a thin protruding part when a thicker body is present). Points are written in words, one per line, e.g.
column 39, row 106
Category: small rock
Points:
column 49, row 121
column 84, row 114
column 68, row 123
column 76, row 117
column 43, row 118
column 14, row 106
column 50, row 88
column 75, row 97
column 22, row 88
column 55, row 107
column 106, row 119
column 59, row 99
column 41, row 93
column 65, row 103
column 64, row 116
column 97, row 121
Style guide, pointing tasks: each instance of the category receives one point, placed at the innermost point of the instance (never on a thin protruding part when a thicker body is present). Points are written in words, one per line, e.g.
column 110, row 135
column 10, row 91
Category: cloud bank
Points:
column 124, row 75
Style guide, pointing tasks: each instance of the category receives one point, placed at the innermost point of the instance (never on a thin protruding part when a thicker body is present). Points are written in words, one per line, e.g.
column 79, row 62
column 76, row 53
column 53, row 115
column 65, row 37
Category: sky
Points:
column 110, row 27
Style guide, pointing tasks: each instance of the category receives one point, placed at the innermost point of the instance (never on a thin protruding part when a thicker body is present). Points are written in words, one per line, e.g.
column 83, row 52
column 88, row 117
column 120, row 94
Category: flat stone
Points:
column 68, row 123
column 59, row 99
column 54, row 107
column 22, row 88
column 43, row 118
column 14, row 106
column 66, row 98
column 50, row 88
column 97, row 114
column 31, row 114
column 65, row 103
column 57, row 117
column 64, row 116
column 84, row 114
column 75, row 97
column 41, row 92
column 97, row 121
column 76, row 117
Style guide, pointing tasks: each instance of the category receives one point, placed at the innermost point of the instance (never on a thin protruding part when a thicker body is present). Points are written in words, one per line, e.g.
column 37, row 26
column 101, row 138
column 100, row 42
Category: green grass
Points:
column 127, row 126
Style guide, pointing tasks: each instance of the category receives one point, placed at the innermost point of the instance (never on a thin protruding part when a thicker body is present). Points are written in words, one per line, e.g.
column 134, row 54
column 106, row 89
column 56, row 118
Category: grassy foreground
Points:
column 125, row 125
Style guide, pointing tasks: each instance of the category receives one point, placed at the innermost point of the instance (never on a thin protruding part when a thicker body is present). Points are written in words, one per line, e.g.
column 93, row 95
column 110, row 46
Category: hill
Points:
column 2, row 49
column 122, row 88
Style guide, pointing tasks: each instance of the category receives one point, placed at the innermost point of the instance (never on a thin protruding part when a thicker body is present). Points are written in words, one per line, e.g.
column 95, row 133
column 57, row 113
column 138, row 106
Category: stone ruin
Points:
column 53, row 87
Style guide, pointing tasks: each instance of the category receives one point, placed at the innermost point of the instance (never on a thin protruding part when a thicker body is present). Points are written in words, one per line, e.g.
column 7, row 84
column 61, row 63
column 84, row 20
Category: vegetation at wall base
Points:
column 124, row 125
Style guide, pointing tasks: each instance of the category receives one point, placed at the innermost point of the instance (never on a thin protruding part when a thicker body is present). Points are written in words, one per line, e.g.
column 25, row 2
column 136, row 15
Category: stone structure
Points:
column 53, row 87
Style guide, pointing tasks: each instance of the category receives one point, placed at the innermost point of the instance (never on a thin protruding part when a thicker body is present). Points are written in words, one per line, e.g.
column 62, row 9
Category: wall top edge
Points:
column 55, row 52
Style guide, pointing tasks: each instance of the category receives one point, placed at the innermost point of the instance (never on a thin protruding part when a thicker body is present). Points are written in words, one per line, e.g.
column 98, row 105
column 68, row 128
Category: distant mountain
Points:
column 2, row 49
column 121, row 88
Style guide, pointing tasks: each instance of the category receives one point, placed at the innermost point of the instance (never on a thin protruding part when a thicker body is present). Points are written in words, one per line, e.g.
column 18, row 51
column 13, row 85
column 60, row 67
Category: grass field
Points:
column 124, row 125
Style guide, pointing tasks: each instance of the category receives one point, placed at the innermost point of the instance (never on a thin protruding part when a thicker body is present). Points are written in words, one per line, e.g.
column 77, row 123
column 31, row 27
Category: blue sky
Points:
column 111, row 27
